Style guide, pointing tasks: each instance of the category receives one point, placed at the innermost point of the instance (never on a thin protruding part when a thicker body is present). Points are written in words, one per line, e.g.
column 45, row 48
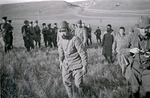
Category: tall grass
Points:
column 36, row 74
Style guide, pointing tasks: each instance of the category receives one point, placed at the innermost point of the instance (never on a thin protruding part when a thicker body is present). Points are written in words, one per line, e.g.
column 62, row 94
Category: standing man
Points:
column 38, row 34
column 89, row 31
column 50, row 35
column 98, row 34
column 6, row 30
column 25, row 33
column 137, row 50
column 119, row 40
column 11, row 35
column 73, row 60
column 55, row 31
column 73, row 29
column 107, row 43
column 44, row 32
column 81, row 32
column 31, row 34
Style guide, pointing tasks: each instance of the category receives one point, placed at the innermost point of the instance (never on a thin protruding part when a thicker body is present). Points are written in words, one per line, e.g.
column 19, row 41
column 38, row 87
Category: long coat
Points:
column 107, row 43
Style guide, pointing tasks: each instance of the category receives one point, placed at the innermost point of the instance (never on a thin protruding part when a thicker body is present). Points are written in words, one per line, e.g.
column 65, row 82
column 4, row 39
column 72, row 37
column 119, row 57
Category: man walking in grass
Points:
column 73, row 60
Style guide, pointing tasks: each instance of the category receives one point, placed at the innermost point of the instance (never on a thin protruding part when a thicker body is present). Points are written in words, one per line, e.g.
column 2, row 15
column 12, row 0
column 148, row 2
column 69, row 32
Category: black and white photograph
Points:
column 74, row 48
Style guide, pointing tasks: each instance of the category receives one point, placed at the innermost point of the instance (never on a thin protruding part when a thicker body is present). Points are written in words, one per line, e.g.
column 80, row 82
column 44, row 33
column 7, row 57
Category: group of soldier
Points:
column 133, row 50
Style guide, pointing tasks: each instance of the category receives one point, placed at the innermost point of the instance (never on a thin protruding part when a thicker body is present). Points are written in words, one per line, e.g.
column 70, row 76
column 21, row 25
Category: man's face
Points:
column 83, row 25
column 55, row 25
column 89, row 26
column 121, row 31
column 78, row 25
column 35, row 24
column 144, row 31
column 64, row 33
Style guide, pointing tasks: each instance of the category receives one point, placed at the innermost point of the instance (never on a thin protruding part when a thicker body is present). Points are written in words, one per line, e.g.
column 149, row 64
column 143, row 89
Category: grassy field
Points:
column 36, row 74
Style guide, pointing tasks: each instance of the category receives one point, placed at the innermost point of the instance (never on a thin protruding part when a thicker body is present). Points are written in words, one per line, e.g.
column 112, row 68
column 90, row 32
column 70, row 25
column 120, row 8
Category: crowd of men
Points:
column 133, row 50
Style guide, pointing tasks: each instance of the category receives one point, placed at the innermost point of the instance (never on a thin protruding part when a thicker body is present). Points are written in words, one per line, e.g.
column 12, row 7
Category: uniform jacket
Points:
column 72, row 53
column 107, row 43
column 25, row 31
column 37, row 30
column 44, row 31
column 82, row 34
column 97, row 32
column 89, row 31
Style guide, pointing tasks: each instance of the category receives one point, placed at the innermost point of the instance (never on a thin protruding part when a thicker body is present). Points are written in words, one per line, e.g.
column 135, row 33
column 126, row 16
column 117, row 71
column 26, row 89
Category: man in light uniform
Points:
column 137, row 50
column 81, row 32
column 73, row 59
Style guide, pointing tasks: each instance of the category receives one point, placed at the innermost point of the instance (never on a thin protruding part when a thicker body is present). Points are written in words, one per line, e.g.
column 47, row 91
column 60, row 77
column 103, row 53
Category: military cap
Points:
column 143, row 22
column 26, row 22
column 9, row 21
column 63, row 24
column 36, row 21
column 79, row 22
column 31, row 22
column 44, row 24
column 5, row 18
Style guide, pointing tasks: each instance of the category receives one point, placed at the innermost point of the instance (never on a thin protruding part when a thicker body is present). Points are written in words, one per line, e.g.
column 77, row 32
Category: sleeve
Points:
column 85, row 36
column 115, row 43
column 61, row 53
column 126, row 46
column 81, row 51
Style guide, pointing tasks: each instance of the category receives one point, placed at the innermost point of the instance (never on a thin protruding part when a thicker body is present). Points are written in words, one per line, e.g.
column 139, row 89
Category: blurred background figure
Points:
column 89, row 36
column 98, row 34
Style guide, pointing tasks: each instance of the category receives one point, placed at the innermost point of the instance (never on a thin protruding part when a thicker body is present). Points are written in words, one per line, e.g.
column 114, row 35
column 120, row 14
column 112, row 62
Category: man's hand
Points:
column 134, row 50
column 84, row 69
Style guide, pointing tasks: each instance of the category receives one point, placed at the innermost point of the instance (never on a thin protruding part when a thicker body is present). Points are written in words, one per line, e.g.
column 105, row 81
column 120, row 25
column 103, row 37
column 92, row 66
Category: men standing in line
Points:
column 11, row 35
column 89, row 31
column 38, row 34
column 44, row 32
column 137, row 50
column 119, row 40
column 55, row 31
column 50, row 35
column 81, row 32
column 73, row 60
column 6, row 30
column 107, row 43
column 98, row 34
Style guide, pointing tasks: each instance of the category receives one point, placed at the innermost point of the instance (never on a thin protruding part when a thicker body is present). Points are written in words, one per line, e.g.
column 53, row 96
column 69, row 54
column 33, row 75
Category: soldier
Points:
column 31, row 35
column 11, row 36
column 107, row 43
column 109, row 28
column 55, row 31
column 119, row 40
column 38, row 34
column 44, row 32
column 73, row 60
column 6, row 30
column 81, row 32
column 89, row 31
column 25, row 34
column 98, row 34
column 50, row 35
column 137, row 49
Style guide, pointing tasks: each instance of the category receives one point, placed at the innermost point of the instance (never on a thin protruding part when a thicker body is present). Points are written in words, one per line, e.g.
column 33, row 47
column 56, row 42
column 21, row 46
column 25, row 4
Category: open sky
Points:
column 19, row 1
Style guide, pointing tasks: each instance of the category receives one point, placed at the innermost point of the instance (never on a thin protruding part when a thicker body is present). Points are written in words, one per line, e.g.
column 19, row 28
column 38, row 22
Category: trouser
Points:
column 108, row 58
column 28, row 43
column 6, row 40
column 68, row 77
column 50, row 41
column 138, row 79
column 98, row 38
column 38, row 40
column 54, row 40
column 89, row 38
column 45, row 39
column 11, row 40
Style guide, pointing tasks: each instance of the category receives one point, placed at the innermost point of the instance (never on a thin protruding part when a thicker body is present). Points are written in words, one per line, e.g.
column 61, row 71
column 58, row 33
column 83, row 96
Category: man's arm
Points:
column 81, row 50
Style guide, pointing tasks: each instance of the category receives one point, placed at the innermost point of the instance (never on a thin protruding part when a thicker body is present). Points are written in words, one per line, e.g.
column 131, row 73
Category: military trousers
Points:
column 73, row 75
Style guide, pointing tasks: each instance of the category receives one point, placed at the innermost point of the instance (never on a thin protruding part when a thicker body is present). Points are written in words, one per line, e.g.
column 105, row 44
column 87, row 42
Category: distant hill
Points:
column 35, row 8
column 120, row 4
